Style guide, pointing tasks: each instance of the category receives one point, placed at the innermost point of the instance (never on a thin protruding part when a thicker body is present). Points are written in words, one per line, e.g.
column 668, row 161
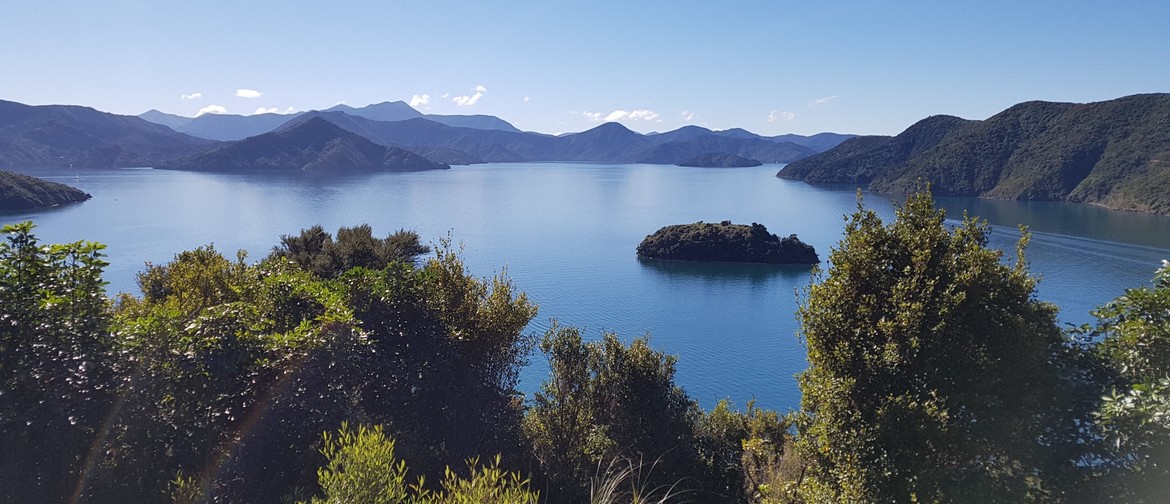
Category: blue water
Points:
column 566, row 235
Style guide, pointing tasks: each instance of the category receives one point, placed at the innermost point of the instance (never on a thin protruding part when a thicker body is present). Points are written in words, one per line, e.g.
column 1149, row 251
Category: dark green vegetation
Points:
column 725, row 242
column 719, row 160
column 315, row 145
column 1113, row 153
column 57, row 135
column 22, row 192
column 929, row 358
column 341, row 369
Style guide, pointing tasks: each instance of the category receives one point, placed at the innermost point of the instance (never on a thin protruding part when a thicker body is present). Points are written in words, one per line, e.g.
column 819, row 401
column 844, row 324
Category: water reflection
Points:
column 754, row 273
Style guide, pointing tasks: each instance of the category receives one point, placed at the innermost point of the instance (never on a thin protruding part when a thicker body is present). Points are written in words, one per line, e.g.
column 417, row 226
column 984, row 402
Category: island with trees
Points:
column 725, row 242
column 23, row 192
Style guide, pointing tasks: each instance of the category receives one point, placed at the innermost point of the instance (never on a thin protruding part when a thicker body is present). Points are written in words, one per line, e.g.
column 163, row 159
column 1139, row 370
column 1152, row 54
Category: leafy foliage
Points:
column 610, row 413
column 934, row 374
column 215, row 384
column 362, row 468
column 1136, row 414
column 56, row 362
column 314, row 250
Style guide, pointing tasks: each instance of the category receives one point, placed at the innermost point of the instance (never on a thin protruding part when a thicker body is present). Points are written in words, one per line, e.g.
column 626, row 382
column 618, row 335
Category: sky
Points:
column 552, row 66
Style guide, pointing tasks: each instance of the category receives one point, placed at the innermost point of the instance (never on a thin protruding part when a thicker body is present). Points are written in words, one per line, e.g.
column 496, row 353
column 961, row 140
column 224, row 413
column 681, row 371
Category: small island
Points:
column 725, row 242
column 719, row 160
column 22, row 192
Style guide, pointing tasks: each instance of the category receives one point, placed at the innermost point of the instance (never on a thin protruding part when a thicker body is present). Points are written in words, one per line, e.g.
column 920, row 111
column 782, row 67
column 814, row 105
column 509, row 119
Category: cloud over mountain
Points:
column 467, row 101
column 211, row 109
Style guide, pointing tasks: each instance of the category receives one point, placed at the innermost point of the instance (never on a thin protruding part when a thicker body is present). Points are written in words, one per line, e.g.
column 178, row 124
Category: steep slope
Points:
column 22, row 192
column 171, row 121
column 230, row 127
column 819, row 142
column 860, row 160
column 1114, row 153
column 314, row 145
column 60, row 135
column 484, row 145
column 477, row 121
column 608, row 143
column 385, row 111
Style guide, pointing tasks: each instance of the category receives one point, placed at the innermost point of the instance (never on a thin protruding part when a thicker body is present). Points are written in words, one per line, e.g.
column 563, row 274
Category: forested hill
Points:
column 1114, row 153
column 63, row 135
column 314, row 145
column 22, row 192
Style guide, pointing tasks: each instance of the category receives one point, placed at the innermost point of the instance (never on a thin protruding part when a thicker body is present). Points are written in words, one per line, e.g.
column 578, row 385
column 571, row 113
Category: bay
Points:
column 565, row 233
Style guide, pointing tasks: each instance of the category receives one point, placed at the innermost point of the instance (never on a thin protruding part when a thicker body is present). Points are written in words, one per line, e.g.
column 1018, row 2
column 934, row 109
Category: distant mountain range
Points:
column 228, row 127
column 63, row 135
column 71, row 135
column 313, row 145
column 1113, row 153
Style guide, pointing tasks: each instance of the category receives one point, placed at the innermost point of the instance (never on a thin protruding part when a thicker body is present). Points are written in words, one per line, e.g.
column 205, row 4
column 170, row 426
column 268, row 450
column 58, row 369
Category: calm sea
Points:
column 566, row 235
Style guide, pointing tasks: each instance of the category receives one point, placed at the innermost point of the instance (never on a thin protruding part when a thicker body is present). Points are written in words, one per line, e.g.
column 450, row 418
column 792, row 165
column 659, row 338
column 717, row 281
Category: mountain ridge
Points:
column 1114, row 153
column 314, row 145
column 63, row 135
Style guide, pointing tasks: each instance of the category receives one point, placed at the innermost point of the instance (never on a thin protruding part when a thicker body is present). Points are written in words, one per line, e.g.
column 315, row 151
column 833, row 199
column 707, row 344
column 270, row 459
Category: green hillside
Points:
column 1113, row 153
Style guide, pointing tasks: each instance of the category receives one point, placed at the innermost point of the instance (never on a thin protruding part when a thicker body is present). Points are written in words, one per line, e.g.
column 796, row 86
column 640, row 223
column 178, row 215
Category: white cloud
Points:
column 191, row 96
column 248, row 93
column 823, row 101
column 211, row 109
column 340, row 102
column 777, row 115
column 262, row 110
column 445, row 95
column 687, row 115
column 526, row 99
column 632, row 115
column 289, row 110
column 467, row 101
column 423, row 99
column 623, row 115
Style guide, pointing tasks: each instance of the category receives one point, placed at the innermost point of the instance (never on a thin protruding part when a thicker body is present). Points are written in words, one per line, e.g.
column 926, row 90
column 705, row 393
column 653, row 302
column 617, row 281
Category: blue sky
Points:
column 553, row 66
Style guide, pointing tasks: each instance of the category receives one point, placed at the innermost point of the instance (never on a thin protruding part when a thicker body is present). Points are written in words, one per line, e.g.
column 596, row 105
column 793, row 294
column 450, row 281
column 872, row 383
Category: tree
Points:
column 362, row 468
column 56, row 364
column 1135, row 415
column 231, row 371
column 934, row 373
column 316, row 251
column 611, row 405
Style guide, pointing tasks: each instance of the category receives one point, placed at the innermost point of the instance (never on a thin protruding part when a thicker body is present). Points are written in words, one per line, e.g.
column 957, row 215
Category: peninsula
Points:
column 22, row 192
column 719, row 160
column 725, row 242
